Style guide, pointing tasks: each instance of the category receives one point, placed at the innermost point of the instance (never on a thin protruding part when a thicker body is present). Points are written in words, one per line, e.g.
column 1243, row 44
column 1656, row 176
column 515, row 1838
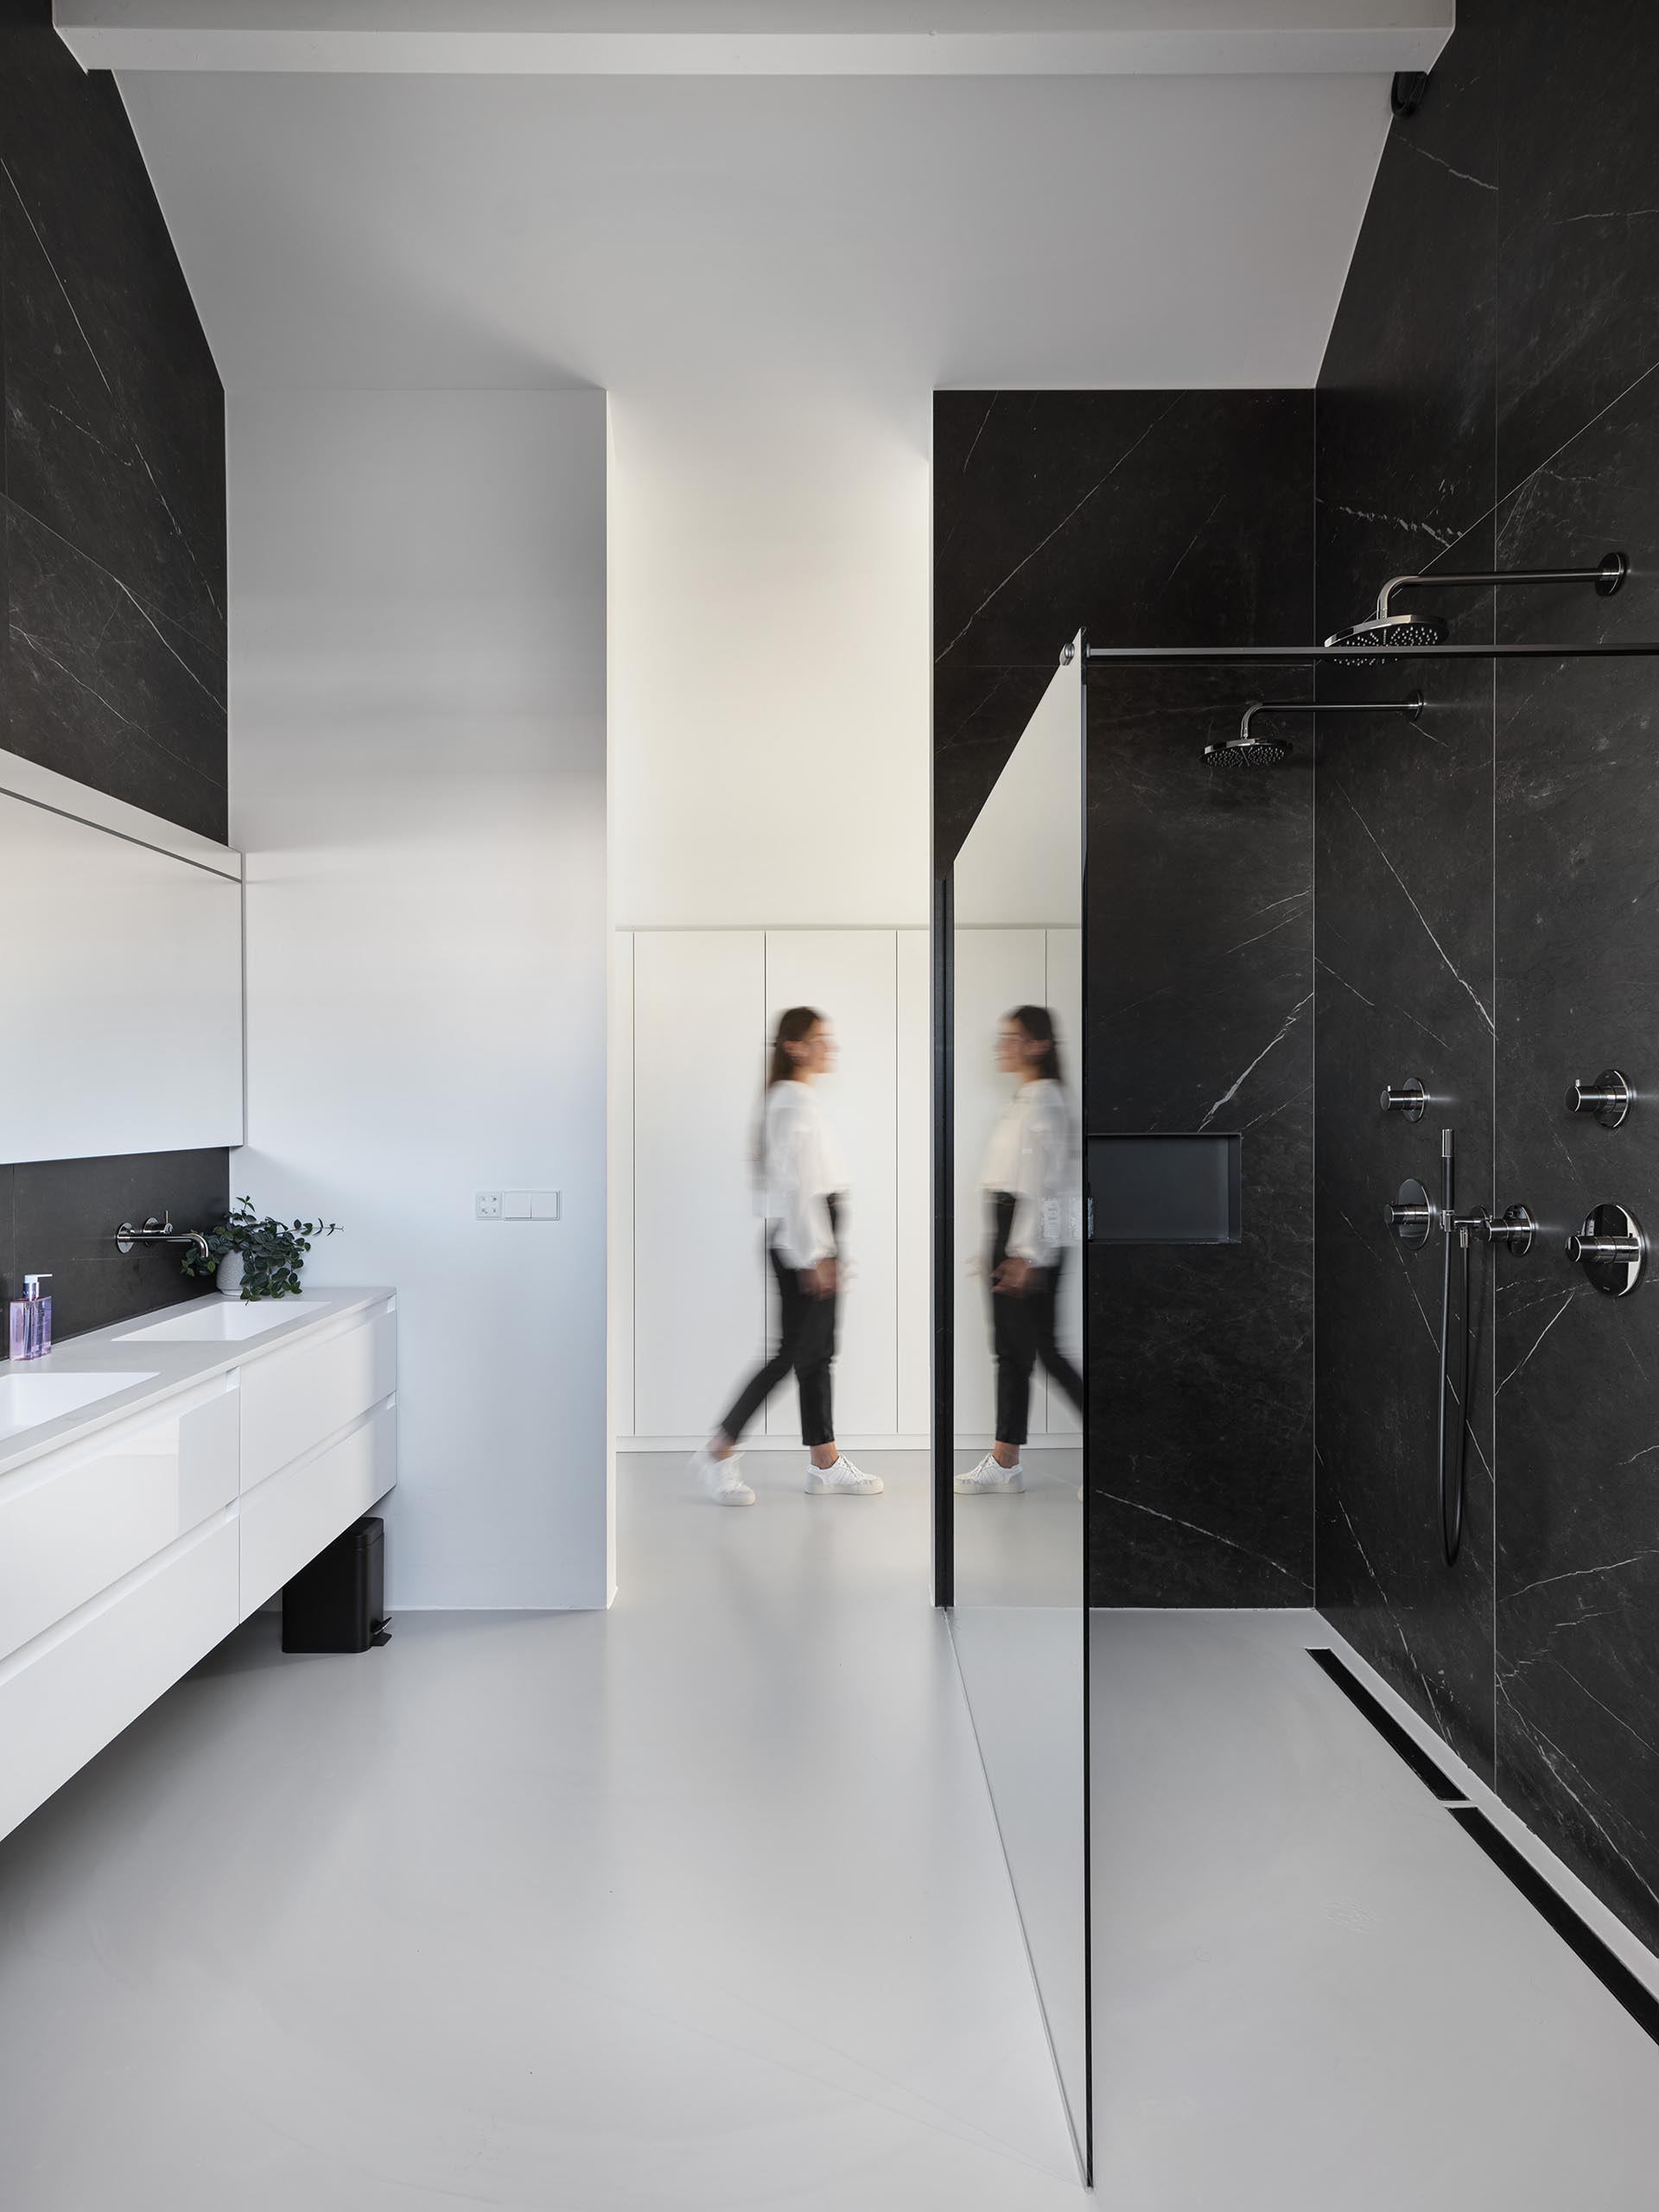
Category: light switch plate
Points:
column 516, row 1205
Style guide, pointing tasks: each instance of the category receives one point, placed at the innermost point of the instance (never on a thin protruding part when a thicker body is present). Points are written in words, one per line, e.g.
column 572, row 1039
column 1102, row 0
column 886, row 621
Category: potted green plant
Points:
column 255, row 1255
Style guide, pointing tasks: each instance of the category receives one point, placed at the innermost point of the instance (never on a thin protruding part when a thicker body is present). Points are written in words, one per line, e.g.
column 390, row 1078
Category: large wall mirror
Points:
column 121, row 993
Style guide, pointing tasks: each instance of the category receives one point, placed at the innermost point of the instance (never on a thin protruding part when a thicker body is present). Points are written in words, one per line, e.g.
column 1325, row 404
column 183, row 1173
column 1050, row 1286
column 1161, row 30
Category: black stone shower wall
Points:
column 1488, row 918
column 112, row 668
column 1164, row 517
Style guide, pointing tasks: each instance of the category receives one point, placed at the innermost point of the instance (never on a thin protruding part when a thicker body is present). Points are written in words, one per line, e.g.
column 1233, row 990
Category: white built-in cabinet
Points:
column 693, row 1012
column 695, row 1009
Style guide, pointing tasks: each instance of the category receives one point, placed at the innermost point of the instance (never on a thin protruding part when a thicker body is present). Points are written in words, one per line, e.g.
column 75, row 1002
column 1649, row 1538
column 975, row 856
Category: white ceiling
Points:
column 865, row 233
column 788, row 37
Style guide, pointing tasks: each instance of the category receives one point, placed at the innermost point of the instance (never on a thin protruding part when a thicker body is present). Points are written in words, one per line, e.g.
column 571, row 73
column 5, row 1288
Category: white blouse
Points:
column 801, row 1165
column 1031, row 1156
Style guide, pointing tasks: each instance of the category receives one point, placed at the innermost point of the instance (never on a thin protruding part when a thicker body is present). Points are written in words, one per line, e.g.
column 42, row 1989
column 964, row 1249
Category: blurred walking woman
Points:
column 801, row 1188
column 1030, row 1181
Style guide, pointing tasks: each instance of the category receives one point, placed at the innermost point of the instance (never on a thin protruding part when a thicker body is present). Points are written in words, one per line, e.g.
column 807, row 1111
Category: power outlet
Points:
column 488, row 1205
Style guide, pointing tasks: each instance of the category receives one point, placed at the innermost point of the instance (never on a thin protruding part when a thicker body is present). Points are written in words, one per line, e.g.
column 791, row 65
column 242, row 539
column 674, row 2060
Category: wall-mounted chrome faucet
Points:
column 1610, row 1097
column 1407, row 1098
column 162, row 1232
column 1411, row 1217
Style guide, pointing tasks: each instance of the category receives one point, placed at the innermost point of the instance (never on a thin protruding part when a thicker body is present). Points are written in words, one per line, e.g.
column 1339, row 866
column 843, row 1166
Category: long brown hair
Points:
column 1038, row 1023
column 794, row 1026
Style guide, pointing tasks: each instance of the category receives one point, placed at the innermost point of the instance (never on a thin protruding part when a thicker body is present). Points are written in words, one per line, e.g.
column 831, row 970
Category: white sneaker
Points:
column 841, row 1479
column 990, row 1475
column 720, row 1478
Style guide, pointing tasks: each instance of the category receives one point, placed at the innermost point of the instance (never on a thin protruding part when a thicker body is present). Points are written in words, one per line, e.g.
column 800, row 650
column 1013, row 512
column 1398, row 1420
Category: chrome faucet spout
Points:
column 162, row 1232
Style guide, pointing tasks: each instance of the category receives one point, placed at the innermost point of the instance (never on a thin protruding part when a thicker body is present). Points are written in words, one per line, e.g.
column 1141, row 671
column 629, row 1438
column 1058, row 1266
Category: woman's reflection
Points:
column 1030, row 1184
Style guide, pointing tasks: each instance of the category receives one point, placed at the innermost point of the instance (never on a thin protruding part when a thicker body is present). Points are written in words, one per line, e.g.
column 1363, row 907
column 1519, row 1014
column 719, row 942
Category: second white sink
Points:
column 27, row 1399
column 223, row 1321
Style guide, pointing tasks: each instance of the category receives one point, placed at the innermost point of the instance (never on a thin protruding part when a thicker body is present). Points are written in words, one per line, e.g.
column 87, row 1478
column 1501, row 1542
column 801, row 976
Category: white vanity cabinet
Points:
column 136, row 1533
column 318, row 1432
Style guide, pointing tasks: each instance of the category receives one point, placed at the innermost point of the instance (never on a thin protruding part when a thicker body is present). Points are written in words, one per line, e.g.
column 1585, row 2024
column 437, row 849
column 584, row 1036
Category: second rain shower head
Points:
column 1367, row 643
column 1247, row 750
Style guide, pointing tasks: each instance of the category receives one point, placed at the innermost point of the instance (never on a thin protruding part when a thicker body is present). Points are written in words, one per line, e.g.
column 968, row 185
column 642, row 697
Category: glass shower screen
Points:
column 1016, row 1304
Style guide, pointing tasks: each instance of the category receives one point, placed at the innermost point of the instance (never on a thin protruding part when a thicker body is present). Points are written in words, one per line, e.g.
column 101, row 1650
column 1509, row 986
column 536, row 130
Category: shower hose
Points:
column 1452, row 1481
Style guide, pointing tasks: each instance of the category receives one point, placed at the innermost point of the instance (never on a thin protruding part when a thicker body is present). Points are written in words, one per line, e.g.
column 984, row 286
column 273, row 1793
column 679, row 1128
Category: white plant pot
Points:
column 229, row 1276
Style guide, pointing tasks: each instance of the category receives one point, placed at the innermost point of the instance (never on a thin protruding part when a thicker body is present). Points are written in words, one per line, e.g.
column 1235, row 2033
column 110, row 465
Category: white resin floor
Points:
column 699, row 1903
column 1313, row 1992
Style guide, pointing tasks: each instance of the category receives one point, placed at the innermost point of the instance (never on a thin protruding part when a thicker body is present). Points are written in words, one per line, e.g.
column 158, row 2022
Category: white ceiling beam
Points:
column 777, row 38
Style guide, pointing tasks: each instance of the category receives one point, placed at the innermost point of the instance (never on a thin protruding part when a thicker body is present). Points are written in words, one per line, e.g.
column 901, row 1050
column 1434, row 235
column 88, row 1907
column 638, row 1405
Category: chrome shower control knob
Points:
column 1612, row 1249
column 1411, row 1217
column 1610, row 1097
column 1409, row 1098
column 1516, row 1229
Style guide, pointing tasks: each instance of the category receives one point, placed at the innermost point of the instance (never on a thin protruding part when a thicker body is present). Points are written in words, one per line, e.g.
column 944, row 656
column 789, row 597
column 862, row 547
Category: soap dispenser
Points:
column 31, row 1319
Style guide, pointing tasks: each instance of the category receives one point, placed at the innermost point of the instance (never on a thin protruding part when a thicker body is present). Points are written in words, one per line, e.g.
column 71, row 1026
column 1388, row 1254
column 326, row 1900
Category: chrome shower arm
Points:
column 1412, row 706
column 1606, row 576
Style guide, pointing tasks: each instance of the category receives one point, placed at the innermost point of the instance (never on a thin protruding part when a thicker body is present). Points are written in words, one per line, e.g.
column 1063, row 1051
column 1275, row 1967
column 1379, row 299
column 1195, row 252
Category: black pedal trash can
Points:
column 338, row 1603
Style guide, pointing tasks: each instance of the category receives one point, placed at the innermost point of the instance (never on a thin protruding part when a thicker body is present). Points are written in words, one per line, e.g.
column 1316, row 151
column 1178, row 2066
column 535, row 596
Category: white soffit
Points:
column 886, row 38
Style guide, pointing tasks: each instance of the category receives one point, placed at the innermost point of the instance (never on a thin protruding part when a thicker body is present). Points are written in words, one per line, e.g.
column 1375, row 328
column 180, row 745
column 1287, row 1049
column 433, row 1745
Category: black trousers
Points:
column 1022, row 1332
column 806, row 1342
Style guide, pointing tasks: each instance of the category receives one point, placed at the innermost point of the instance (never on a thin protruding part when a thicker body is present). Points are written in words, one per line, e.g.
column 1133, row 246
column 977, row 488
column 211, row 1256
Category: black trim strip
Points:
column 1610, row 1970
column 1396, row 1737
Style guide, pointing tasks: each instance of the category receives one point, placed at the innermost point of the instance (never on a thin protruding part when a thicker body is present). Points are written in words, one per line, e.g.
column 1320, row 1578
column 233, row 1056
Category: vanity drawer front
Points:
column 78, row 1519
column 293, row 1399
column 287, row 1521
column 62, row 1702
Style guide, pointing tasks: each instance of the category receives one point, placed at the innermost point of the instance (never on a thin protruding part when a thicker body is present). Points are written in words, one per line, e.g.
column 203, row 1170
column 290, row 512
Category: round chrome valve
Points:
column 1612, row 1249
column 1610, row 1097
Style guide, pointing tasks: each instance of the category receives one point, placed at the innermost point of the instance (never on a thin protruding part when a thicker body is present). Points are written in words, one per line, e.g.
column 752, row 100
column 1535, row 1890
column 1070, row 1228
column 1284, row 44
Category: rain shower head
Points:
column 1358, row 648
column 1247, row 751
column 1367, row 642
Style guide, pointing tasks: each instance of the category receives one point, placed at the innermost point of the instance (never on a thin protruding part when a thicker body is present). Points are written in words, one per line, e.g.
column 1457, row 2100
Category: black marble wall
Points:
column 112, row 667
column 1164, row 517
column 1488, row 918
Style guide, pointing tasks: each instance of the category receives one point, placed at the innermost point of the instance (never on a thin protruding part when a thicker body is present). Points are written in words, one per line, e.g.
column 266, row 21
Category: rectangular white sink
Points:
column 27, row 1399
column 224, row 1321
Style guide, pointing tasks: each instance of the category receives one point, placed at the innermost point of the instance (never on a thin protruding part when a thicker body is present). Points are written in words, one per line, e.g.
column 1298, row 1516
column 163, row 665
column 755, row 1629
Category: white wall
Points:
column 417, row 776
column 770, row 657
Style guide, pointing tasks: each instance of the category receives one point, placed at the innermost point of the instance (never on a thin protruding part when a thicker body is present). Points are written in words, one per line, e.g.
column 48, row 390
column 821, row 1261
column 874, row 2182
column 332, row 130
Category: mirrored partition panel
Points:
column 121, row 996
column 1016, row 1359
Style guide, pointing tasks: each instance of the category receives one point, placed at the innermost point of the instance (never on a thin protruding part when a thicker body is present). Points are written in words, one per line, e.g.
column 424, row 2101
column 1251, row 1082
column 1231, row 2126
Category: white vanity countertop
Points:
column 160, row 1367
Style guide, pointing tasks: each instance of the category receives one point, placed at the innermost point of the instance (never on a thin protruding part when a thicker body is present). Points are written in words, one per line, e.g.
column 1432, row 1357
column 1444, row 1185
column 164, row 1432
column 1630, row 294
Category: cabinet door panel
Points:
column 292, row 1400
column 699, row 1306
column 75, row 1521
column 67, row 1695
column 288, row 1519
